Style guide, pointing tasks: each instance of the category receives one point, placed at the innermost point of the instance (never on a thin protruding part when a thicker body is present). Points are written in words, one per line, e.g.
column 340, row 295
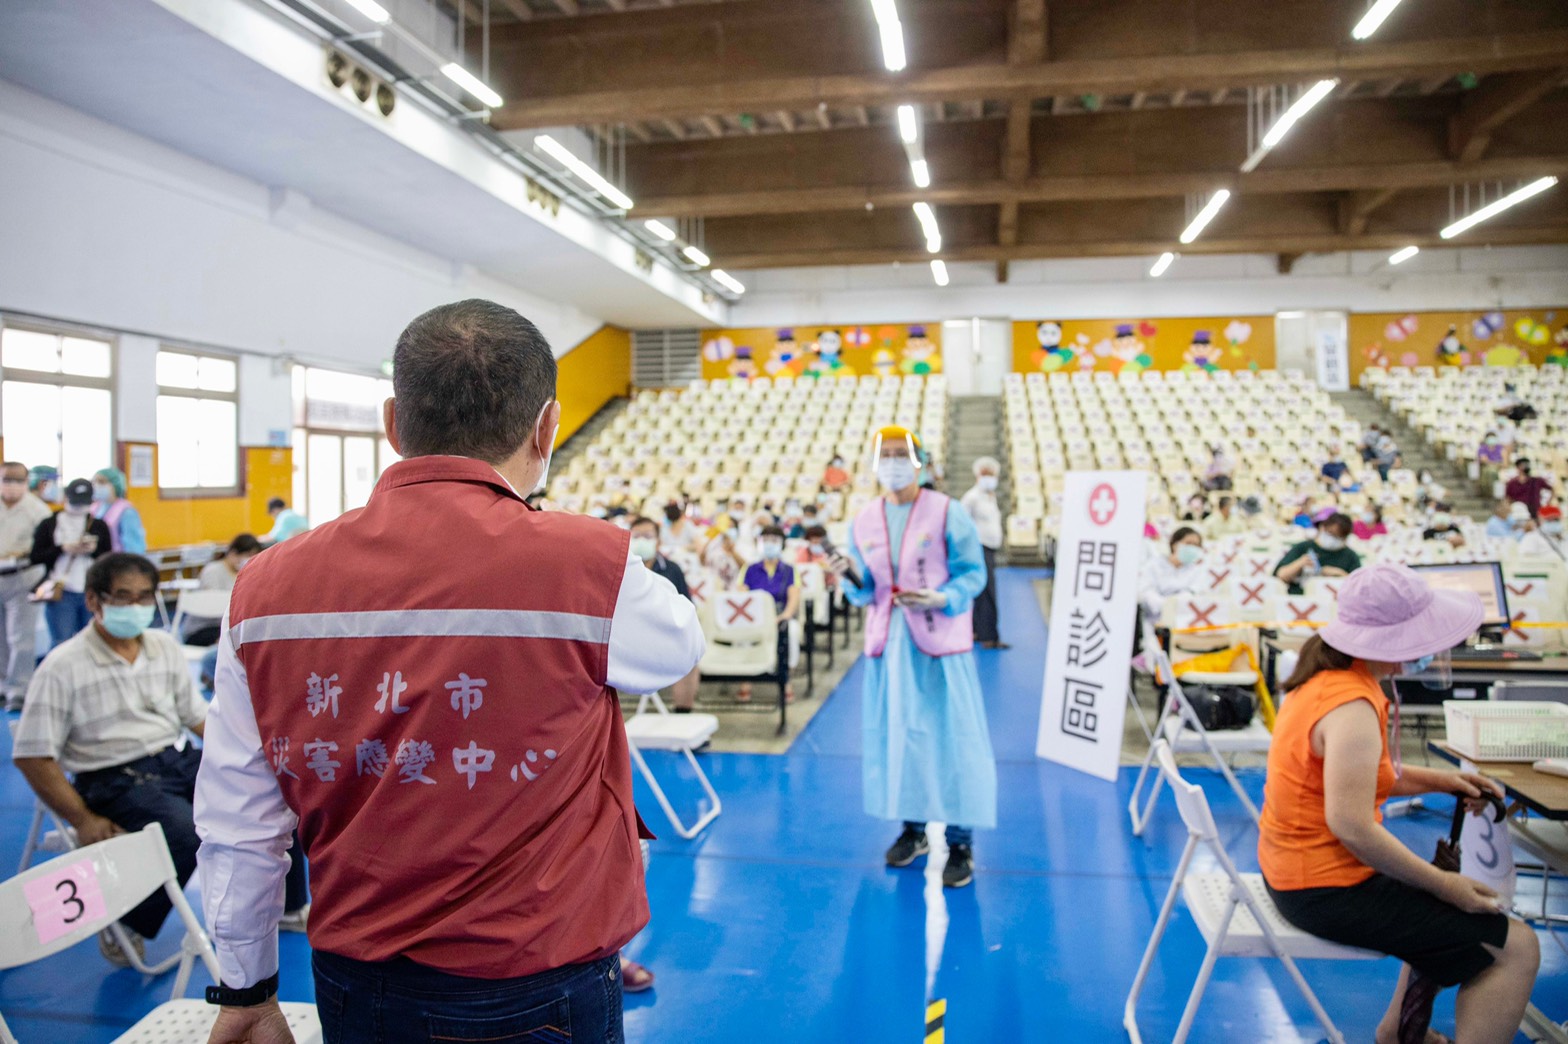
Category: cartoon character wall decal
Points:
column 1450, row 352
column 919, row 355
column 1202, row 353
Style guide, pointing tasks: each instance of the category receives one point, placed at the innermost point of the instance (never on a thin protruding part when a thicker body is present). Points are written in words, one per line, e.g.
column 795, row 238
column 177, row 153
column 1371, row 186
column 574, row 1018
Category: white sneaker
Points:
column 112, row 952
column 296, row 921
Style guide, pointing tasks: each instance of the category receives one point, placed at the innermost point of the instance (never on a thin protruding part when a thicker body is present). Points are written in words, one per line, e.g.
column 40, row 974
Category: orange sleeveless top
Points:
column 1296, row 849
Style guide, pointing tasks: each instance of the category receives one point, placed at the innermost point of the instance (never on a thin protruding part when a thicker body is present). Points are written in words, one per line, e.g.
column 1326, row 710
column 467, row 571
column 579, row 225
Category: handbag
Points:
column 1221, row 707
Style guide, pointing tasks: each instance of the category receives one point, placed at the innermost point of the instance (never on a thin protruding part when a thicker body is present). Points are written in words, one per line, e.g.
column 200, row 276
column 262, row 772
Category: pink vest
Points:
column 111, row 518
column 922, row 563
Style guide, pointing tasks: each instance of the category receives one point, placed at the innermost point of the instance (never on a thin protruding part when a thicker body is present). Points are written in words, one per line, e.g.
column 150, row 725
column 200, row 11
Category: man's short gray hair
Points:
column 987, row 464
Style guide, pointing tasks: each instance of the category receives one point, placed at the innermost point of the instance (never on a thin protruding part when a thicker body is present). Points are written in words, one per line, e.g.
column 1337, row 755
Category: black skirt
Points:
column 1434, row 937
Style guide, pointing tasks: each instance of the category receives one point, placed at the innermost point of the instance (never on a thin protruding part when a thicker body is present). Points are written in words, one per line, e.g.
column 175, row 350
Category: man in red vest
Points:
column 427, row 687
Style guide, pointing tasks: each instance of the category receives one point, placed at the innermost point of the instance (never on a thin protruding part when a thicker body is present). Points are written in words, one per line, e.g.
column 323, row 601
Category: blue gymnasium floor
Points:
column 781, row 923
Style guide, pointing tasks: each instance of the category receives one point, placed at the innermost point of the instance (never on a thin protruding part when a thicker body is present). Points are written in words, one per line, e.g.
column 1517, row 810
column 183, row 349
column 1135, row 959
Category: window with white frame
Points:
column 57, row 400
column 340, row 447
column 198, row 422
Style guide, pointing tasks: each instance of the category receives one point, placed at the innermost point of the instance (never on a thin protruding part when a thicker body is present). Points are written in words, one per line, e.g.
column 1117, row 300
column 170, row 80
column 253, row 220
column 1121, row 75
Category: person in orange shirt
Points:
column 1331, row 866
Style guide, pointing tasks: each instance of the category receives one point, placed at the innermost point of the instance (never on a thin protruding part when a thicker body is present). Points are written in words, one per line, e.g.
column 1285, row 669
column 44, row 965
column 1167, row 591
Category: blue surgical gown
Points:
column 927, row 748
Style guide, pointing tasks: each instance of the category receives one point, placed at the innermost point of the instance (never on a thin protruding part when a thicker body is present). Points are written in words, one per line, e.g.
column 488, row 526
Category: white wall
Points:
column 102, row 227
column 1514, row 277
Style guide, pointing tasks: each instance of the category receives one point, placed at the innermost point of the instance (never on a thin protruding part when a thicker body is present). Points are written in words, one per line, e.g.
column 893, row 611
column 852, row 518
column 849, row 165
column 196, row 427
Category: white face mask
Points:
column 896, row 473
column 988, row 483
column 772, row 549
column 644, row 547
column 1189, row 554
column 1330, row 542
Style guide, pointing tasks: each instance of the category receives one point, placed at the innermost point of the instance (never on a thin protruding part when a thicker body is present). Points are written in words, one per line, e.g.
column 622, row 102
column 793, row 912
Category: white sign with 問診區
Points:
column 1093, row 616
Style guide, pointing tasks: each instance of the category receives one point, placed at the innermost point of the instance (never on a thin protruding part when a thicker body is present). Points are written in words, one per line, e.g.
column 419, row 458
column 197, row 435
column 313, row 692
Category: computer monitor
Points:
column 1480, row 578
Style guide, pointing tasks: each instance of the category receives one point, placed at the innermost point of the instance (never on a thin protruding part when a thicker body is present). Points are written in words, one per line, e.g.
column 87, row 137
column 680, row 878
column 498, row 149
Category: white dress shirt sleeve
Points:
column 245, row 829
column 655, row 637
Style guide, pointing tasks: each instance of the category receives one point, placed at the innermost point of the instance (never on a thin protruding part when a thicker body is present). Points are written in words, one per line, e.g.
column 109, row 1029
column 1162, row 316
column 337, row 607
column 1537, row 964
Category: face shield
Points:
column 895, row 459
column 1435, row 672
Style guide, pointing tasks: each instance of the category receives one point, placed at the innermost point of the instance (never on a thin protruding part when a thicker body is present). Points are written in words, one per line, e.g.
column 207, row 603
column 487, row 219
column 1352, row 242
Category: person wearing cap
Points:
column 1543, row 539
column 1330, row 865
column 44, row 483
column 118, row 513
column 66, row 544
column 1506, row 521
column 981, row 504
column 20, row 515
column 915, row 563
column 1324, row 555
column 1527, row 488
column 1441, row 527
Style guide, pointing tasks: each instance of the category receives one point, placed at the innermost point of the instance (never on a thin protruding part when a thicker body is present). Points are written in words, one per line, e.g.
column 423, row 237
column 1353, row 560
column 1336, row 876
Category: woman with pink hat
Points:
column 1331, row 866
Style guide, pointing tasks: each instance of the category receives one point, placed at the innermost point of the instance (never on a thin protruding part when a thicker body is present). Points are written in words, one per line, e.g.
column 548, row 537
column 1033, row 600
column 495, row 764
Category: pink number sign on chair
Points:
column 64, row 898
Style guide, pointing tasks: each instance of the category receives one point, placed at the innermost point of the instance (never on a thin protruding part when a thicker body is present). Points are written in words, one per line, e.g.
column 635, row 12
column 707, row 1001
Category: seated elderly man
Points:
column 110, row 705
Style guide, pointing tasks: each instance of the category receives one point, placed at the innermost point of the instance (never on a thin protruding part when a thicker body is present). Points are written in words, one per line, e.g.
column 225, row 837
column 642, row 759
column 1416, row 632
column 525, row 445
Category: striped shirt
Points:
column 88, row 709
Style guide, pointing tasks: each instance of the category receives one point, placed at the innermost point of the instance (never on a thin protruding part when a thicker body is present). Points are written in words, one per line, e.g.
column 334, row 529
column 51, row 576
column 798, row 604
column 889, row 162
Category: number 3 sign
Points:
column 63, row 899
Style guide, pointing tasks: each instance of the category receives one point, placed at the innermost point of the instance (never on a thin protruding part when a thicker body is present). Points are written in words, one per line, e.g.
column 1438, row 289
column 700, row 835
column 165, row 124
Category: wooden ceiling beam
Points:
column 1493, row 104
column 1026, row 46
column 786, row 119
column 1481, row 53
column 1316, row 243
column 1356, row 208
column 567, row 7
column 676, row 128
column 1057, row 188
column 519, row 9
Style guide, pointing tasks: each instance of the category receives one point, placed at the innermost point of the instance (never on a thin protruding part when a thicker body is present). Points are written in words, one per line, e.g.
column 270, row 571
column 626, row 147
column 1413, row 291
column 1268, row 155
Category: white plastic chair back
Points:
column 203, row 603
column 91, row 888
column 1190, row 802
column 743, row 616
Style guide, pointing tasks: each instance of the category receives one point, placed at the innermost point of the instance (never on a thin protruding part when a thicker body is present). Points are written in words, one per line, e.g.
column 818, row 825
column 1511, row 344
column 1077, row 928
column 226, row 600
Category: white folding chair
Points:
column 1179, row 727
column 1233, row 912
column 58, row 904
column 661, row 730
column 204, row 604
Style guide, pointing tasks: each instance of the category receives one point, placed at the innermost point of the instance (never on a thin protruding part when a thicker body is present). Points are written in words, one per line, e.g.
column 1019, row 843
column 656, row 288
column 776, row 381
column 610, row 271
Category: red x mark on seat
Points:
column 1218, row 576
column 738, row 610
column 698, row 590
column 1231, row 558
column 1202, row 617
column 1518, row 618
column 1301, row 615
column 1520, row 592
column 1250, row 594
column 1259, row 566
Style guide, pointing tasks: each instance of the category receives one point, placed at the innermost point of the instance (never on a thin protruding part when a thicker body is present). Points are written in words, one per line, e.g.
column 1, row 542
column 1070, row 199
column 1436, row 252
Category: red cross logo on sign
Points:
column 1102, row 504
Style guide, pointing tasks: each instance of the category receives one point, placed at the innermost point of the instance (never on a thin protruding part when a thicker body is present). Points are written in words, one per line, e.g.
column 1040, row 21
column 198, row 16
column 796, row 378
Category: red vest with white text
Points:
column 428, row 675
column 921, row 563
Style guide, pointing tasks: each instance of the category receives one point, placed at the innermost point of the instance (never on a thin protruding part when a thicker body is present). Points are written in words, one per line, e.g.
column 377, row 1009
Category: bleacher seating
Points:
column 1276, row 427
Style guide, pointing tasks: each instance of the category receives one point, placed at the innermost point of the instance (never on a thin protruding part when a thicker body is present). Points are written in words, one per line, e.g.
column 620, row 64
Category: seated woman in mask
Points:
column 1324, row 555
column 1442, row 527
column 1179, row 572
column 1543, row 539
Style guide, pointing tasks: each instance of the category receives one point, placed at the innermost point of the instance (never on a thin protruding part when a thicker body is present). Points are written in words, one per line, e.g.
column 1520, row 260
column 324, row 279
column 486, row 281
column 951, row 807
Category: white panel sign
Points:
column 1333, row 359
column 1093, row 614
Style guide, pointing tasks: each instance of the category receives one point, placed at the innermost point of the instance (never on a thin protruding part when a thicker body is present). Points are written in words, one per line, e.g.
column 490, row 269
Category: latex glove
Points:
column 925, row 598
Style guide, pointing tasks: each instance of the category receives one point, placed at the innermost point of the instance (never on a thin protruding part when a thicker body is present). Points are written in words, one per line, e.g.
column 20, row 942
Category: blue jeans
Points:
column 67, row 617
column 956, row 835
column 400, row 1002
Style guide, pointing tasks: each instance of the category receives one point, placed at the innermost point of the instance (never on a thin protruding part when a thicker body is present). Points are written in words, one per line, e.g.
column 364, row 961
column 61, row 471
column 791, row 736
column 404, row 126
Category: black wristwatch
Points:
column 249, row 997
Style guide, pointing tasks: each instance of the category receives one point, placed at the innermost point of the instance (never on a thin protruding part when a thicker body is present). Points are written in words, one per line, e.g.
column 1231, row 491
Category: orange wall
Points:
column 1111, row 346
column 266, row 473
column 822, row 351
column 1514, row 338
column 590, row 375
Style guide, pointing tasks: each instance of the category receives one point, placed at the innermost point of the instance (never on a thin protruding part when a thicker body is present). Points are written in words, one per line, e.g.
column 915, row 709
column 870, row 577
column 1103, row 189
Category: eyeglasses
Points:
column 121, row 598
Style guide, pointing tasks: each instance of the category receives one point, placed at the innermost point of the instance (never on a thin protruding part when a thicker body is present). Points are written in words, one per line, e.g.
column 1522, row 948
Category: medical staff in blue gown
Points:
column 915, row 563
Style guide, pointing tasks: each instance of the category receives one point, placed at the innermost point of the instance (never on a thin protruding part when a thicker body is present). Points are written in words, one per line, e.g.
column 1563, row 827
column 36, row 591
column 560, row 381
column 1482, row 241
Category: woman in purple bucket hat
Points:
column 1331, row 866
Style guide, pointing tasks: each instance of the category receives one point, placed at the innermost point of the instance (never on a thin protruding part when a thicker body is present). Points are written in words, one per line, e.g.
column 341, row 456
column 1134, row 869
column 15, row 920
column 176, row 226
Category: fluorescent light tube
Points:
column 660, row 229
column 728, row 280
column 471, row 83
column 371, row 10
column 1495, row 208
column 696, row 256
column 886, row 12
column 1373, row 18
column 927, row 218
column 908, row 129
column 934, row 243
column 1205, row 215
column 1298, row 109
column 1403, row 255
column 920, row 170
column 939, row 271
column 561, row 154
column 1161, row 265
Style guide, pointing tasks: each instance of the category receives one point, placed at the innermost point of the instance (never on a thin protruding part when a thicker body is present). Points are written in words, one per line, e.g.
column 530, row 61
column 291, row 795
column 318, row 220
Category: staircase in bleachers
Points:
column 585, row 436
column 1463, row 494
